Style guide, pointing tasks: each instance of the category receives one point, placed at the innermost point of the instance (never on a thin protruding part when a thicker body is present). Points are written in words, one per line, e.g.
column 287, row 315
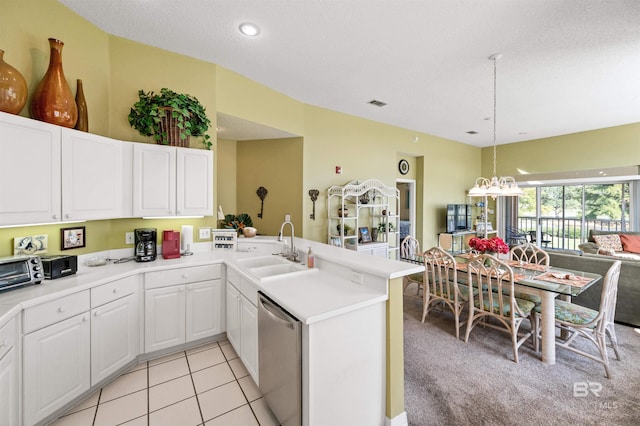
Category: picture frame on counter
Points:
column 71, row 238
column 364, row 235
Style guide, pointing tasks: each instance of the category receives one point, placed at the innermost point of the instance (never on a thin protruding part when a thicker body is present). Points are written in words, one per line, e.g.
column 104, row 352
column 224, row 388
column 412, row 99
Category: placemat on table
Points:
column 572, row 280
column 526, row 265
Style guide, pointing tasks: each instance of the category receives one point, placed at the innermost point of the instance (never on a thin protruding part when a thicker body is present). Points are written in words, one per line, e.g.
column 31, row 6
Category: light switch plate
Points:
column 204, row 233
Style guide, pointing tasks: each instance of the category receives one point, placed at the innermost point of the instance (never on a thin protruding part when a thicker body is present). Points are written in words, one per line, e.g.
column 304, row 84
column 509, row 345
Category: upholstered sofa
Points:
column 628, row 303
column 624, row 245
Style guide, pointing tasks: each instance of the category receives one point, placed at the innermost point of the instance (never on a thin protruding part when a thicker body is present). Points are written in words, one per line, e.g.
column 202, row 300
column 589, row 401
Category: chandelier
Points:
column 503, row 186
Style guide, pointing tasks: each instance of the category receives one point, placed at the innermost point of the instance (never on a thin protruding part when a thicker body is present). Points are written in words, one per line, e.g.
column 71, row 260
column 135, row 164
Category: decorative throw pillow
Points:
column 608, row 242
column 606, row 252
column 630, row 243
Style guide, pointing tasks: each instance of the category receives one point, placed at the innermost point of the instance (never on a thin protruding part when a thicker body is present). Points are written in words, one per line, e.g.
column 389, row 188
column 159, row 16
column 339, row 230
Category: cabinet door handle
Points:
column 61, row 309
column 115, row 290
column 185, row 275
column 95, row 313
column 181, row 289
column 84, row 318
column 68, row 216
column 4, row 343
column 55, row 216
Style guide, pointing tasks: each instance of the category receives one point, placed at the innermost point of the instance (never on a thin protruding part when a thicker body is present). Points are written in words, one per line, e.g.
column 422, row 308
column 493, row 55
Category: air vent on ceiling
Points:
column 377, row 103
column 472, row 132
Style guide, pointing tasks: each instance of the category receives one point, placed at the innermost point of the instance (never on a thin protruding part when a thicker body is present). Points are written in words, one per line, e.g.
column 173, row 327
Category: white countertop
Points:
column 311, row 297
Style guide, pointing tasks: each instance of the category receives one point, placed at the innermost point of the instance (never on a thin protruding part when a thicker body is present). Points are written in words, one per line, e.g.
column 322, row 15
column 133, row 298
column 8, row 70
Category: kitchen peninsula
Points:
column 342, row 304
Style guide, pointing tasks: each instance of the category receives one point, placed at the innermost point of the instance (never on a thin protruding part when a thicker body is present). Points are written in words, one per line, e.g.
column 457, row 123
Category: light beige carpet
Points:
column 449, row 382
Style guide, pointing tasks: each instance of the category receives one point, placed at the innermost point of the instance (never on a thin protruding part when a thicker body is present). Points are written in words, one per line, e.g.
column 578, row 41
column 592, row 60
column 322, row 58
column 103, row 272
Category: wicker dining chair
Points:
column 409, row 248
column 495, row 299
column 441, row 285
column 530, row 253
column 595, row 326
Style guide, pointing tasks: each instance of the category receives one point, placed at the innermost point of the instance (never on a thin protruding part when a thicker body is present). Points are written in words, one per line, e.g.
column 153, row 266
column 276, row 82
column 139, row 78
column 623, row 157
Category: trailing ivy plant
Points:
column 146, row 114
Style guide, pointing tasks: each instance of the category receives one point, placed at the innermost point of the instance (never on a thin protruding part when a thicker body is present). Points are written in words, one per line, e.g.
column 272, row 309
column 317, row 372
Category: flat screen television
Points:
column 459, row 218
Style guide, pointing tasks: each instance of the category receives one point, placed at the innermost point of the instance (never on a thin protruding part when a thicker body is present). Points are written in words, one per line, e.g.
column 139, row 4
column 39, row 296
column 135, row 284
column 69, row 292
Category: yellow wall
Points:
column 610, row 147
column 227, row 171
column 275, row 164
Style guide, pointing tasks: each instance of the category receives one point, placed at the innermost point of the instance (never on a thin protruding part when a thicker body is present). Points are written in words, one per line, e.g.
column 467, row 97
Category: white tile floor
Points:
column 207, row 385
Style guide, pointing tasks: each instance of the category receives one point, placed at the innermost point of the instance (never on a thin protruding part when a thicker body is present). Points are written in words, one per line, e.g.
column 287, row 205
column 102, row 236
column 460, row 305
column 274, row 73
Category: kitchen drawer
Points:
column 181, row 276
column 57, row 310
column 7, row 337
column 113, row 290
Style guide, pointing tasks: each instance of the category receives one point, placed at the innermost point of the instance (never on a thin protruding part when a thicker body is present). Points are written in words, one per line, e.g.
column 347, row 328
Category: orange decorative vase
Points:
column 13, row 88
column 81, row 103
column 52, row 100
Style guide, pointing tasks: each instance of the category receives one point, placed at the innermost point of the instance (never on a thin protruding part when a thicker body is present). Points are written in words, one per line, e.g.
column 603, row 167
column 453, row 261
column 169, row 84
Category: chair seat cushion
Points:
column 415, row 277
column 524, row 296
column 575, row 314
column 464, row 290
column 526, row 306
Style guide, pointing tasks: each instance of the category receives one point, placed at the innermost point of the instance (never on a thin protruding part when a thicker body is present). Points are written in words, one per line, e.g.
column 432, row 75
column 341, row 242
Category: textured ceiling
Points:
column 567, row 66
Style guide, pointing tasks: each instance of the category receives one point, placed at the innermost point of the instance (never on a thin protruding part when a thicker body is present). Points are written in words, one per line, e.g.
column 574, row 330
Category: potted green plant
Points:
column 170, row 117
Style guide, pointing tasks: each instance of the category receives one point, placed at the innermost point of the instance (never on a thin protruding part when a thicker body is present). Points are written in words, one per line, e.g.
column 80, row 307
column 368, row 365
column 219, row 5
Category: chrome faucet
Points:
column 292, row 255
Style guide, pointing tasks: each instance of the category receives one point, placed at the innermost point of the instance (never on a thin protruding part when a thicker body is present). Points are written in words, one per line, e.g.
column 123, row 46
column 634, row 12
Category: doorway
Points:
column 407, row 211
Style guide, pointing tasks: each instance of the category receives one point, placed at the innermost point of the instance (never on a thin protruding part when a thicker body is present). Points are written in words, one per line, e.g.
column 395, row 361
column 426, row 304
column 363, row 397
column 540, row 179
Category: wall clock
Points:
column 403, row 166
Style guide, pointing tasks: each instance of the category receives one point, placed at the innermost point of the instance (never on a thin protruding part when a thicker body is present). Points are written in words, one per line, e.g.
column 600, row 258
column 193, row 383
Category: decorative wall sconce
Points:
column 262, row 193
column 313, row 193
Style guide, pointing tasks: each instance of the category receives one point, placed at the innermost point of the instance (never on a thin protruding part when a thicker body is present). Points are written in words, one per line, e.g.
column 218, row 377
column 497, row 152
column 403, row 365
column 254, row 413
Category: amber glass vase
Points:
column 52, row 100
column 13, row 88
column 81, row 103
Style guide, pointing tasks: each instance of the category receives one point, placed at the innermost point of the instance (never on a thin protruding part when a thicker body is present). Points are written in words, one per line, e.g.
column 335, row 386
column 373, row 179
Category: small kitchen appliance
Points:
column 18, row 271
column 171, row 244
column 58, row 266
column 145, row 244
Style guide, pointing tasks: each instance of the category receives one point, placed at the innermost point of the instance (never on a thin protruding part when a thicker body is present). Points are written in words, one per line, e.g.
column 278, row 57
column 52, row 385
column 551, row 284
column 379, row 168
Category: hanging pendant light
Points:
column 504, row 186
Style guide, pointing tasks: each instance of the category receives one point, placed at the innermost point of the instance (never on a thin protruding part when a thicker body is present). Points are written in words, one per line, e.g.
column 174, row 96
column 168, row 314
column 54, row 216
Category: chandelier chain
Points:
column 494, row 114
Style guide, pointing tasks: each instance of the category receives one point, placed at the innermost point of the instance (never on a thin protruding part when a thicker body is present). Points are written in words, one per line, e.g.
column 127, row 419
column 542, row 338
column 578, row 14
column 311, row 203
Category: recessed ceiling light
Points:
column 249, row 29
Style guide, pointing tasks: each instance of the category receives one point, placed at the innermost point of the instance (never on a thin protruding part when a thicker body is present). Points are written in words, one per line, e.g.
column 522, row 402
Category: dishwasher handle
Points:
column 276, row 313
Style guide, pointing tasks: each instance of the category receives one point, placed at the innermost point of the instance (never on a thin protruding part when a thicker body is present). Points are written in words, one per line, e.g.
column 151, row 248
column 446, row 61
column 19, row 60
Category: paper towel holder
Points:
column 186, row 240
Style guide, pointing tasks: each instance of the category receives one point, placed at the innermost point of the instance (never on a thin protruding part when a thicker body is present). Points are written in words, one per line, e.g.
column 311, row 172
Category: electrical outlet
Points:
column 204, row 233
column 356, row 277
column 128, row 238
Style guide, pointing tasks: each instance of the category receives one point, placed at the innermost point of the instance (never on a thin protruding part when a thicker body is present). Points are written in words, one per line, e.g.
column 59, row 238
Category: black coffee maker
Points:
column 145, row 244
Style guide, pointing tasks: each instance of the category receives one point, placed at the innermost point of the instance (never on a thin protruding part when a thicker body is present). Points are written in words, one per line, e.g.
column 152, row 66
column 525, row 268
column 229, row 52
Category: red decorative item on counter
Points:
column 52, row 100
column 494, row 244
column 171, row 244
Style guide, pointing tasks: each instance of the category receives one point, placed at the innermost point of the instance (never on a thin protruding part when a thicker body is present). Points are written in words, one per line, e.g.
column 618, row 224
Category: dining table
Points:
column 547, row 282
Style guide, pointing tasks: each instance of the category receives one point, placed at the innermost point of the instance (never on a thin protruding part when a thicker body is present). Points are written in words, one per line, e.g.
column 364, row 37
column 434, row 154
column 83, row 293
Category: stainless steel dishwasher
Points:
column 280, row 361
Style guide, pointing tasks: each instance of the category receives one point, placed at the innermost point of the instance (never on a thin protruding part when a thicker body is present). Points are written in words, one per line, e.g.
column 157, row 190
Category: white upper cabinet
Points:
column 29, row 171
column 170, row 181
column 154, row 180
column 93, row 176
column 194, row 182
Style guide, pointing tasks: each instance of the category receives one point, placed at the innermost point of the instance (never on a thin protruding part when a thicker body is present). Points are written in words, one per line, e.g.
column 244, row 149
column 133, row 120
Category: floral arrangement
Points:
column 237, row 222
column 493, row 244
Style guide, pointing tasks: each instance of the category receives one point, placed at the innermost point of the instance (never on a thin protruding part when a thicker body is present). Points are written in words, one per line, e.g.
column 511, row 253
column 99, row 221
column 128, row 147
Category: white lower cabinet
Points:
column 114, row 336
column 9, row 378
column 56, row 366
column 242, row 321
column 164, row 318
column 249, row 336
column 191, row 310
